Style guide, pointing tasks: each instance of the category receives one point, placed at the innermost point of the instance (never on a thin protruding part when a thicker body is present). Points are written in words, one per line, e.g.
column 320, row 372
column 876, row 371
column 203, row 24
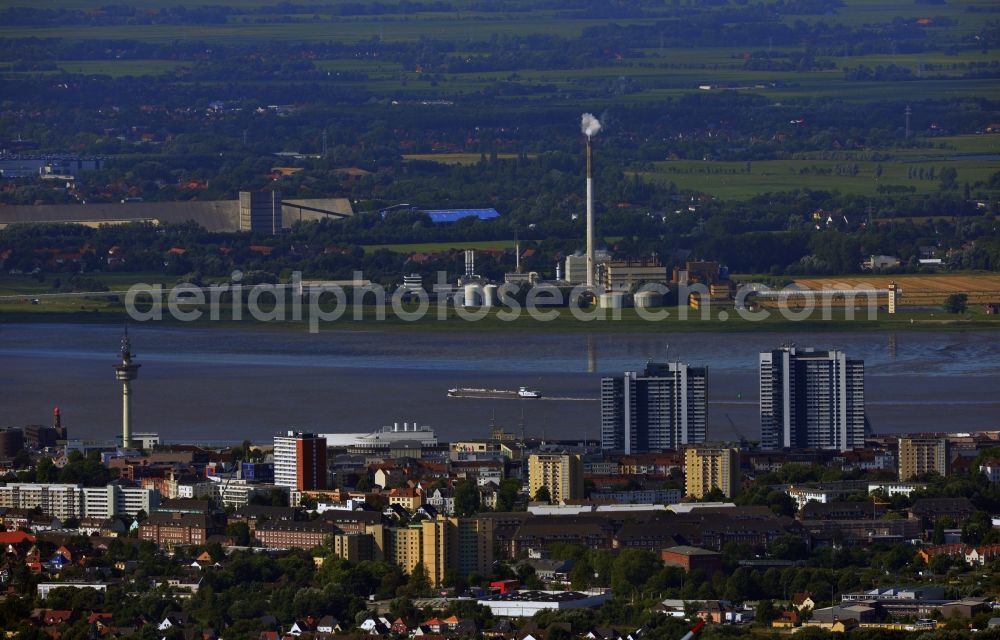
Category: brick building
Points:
column 167, row 529
column 289, row 534
column 692, row 559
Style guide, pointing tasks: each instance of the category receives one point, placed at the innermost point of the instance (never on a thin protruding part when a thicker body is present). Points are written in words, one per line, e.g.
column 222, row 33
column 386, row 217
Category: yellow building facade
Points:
column 442, row 545
column 917, row 456
column 561, row 473
column 707, row 468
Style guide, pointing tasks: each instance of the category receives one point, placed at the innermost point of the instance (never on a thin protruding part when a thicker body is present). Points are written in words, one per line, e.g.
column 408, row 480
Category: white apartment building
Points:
column 805, row 495
column 285, row 460
column 59, row 500
column 811, row 399
column 235, row 493
column 195, row 489
column 104, row 502
column 132, row 500
column 663, row 407
column 99, row 502
column 896, row 488
column 73, row 501
column 991, row 470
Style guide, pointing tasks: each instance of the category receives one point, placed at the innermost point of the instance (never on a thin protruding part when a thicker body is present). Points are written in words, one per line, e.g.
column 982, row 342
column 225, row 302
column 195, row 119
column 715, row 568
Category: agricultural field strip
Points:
column 913, row 284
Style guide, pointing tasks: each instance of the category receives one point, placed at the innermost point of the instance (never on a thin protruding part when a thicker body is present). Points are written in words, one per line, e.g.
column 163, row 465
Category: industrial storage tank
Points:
column 472, row 294
column 648, row 300
column 490, row 295
column 612, row 300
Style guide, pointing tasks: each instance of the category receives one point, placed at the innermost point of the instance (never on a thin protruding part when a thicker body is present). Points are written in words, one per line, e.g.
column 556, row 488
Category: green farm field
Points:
column 657, row 75
column 434, row 247
column 119, row 68
column 455, row 158
column 730, row 180
column 384, row 28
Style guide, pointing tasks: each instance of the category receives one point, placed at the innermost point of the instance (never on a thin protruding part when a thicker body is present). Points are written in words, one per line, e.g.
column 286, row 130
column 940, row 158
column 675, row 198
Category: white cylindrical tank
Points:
column 612, row 300
column 648, row 299
column 472, row 292
column 490, row 295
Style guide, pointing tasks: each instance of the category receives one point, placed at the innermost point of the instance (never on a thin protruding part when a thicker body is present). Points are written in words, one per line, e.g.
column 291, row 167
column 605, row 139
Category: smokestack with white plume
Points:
column 590, row 125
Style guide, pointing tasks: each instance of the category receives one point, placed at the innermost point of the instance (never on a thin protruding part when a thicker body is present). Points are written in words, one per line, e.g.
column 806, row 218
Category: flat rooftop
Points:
column 541, row 596
column 687, row 550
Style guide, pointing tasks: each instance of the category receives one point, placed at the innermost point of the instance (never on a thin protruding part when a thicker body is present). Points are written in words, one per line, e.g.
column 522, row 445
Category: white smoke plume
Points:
column 590, row 125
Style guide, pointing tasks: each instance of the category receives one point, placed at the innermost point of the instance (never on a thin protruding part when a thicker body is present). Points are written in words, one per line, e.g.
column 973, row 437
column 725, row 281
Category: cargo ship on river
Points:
column 467, row 392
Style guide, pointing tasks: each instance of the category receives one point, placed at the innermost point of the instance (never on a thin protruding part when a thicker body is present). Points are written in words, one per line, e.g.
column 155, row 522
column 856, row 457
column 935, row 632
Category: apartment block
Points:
column 708, row 468
column 59, row 500
column 404, row 547
column 811, row 400
column 442, row 545
column 917, row 456
column 561, row 473
column 663, row 407
column 300, row 461
column 104, row 502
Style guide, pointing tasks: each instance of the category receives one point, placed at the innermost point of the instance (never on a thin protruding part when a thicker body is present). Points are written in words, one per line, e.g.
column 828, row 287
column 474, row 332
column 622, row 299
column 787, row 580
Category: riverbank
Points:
column 670, row 319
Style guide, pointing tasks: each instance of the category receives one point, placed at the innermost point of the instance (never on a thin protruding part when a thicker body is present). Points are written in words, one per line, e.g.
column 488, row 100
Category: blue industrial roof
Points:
column 451, row 215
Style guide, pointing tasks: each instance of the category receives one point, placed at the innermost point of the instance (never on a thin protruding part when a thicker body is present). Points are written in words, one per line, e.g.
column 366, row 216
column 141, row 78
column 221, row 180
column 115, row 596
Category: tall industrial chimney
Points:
column 517, row 253
column 590, row 212
column 470, row 263
column 590, row 126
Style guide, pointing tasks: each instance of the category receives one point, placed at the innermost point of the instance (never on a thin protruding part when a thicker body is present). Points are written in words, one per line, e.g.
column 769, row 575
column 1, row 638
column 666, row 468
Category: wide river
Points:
column 216, row 384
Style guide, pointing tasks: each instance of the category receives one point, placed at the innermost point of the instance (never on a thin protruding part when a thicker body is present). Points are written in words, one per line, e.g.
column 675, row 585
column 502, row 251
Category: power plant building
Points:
column 576, row 269
column 622, row 275
column 664, row 407
column 811, row 399
column 213, row 215
column 260, row 211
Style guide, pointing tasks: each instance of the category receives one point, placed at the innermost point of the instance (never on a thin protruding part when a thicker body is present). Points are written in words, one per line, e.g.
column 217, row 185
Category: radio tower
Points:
column 126, row 372
column 908, row 112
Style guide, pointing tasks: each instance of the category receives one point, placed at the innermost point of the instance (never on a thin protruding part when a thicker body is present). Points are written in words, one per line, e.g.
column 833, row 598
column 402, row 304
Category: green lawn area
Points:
column 118, row 68
column 27, row 285
column 951, row 146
